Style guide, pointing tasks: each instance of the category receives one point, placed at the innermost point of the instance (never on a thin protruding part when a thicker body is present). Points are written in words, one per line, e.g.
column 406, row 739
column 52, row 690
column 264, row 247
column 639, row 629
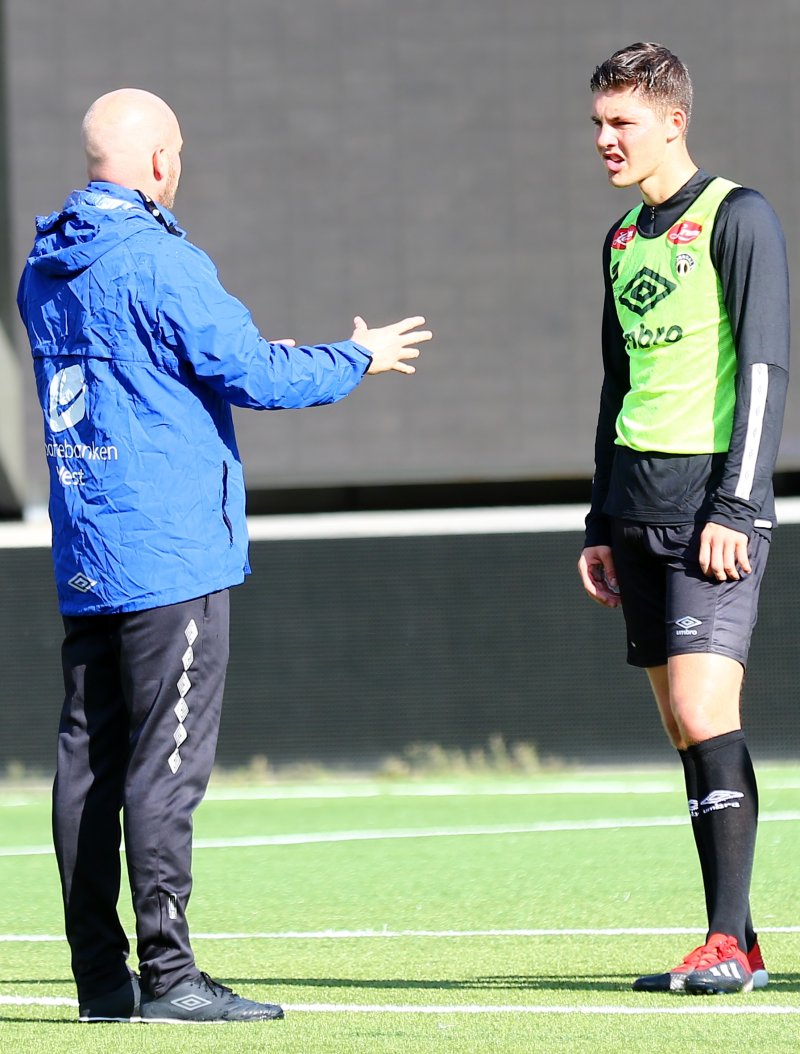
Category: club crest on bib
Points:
column 684, row 263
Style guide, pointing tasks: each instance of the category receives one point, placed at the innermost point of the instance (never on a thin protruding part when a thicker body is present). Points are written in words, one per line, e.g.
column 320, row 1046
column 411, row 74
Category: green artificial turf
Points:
column 419, row 886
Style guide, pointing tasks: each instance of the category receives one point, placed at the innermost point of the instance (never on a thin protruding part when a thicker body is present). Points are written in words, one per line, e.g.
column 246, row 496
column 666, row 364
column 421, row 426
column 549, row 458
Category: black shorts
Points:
column 670, row 606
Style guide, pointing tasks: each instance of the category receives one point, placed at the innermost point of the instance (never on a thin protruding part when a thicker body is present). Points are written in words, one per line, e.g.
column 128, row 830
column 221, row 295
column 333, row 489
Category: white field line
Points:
column 442, row 790
column 430, row 790
column 326, row 837
column 687, row 1007
column 313, row 792
column 372, row 792
column 635, row 784
column 387, row 934
column 637, row 1011
column 38, row 1000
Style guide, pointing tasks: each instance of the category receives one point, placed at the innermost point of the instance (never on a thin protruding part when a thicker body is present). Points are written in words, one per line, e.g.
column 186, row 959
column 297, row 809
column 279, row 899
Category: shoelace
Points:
column 694, row 957
column 716, row 952
column 215, row 986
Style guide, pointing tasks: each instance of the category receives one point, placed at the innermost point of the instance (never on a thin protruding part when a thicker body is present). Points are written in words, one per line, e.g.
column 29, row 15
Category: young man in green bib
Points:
column 695, row 349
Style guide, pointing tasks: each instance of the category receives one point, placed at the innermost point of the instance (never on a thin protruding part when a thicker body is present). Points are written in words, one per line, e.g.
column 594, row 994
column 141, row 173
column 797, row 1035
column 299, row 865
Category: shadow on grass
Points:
column 7, row 1019
column 785, row 982
column 778, row 985
column 782, row 983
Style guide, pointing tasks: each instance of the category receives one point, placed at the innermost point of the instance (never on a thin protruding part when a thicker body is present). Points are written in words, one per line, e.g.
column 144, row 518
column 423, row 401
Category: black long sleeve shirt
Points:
column 734, row 488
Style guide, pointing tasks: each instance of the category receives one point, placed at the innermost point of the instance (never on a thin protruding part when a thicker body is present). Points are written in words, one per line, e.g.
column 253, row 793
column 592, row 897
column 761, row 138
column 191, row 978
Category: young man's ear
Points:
column 678, row 122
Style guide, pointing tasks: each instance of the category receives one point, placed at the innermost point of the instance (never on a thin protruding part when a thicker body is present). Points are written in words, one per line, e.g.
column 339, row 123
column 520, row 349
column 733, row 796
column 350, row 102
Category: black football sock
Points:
column 706, row 868
column 727, row 816
column 706, row 861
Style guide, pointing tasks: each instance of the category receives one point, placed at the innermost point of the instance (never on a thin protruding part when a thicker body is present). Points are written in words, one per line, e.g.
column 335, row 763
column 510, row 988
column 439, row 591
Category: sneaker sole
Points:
column 215, row 1021
column 106, row 1020
column 717, row 987
column 677, row 982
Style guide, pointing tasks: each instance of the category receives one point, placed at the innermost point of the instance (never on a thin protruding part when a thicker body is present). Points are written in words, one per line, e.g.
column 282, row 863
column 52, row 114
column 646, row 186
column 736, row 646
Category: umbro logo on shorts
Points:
column 686, row 626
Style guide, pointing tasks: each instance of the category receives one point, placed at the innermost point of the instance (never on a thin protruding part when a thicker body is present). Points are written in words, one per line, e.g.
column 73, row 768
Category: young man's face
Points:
column 631, row 137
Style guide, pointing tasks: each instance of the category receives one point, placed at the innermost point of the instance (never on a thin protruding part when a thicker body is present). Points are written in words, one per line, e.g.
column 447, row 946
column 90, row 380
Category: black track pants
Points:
column 138, row 733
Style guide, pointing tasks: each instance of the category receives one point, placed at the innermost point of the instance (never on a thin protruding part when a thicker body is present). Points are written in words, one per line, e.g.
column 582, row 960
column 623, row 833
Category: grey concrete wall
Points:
column 13, row 483
column 383, row 157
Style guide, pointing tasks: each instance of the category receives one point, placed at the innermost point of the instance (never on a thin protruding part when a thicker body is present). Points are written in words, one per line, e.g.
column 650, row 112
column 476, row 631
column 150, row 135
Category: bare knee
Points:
column 705, row 692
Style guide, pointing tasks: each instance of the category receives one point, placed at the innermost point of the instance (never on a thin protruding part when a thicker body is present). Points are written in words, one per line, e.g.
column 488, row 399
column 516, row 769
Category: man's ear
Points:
column 678, row 123
column 160, row 164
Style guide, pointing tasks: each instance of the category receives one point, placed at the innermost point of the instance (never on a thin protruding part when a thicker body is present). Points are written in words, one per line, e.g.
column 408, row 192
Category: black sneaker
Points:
column 120, row 1005
column 203, row 1001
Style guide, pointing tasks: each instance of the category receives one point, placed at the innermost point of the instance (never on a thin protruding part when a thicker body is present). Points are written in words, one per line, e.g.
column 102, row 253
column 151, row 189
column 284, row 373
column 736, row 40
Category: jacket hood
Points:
column 91, row 222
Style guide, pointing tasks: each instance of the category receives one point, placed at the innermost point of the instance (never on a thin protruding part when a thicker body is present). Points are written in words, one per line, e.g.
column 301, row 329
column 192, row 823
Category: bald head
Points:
column 133, row 138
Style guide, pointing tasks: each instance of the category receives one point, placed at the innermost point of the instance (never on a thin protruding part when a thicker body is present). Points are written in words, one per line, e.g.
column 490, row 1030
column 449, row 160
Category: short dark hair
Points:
column 650, row 69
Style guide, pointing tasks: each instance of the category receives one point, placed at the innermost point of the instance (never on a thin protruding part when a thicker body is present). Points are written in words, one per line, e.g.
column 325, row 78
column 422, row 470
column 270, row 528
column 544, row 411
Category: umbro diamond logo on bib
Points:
column 645, row 290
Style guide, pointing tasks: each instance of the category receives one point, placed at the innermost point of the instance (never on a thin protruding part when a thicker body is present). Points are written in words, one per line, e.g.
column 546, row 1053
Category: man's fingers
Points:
column 408, row 323
column 596, row 569
column 391, row 346
column 742, row 559
column 722, row 563
column 419, row 336
column 408, row 332
column 723, row 553
column 729, row 562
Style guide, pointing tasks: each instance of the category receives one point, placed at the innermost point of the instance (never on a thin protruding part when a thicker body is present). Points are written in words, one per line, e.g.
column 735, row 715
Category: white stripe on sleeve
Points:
column 755, row 423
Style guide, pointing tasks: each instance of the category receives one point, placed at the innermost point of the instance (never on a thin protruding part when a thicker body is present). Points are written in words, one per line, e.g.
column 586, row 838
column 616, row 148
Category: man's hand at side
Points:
column 596, row 568
column 723, row 552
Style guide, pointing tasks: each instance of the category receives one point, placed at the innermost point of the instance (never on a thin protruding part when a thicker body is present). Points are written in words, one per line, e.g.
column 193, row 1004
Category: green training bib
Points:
column 677, row 334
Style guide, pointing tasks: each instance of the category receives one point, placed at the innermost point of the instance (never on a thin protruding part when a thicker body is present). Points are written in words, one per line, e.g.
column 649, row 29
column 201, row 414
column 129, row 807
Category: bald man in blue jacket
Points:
column 139, row 354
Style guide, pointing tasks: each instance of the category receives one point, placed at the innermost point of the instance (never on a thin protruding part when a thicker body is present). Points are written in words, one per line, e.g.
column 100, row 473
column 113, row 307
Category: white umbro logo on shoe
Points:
column 720, row 799
column 191, row 1002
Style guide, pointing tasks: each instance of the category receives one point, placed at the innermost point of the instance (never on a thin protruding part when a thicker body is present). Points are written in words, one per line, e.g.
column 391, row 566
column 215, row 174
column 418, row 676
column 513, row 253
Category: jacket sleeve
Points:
column 214, row 334
column 749, row 254
column 616, row 382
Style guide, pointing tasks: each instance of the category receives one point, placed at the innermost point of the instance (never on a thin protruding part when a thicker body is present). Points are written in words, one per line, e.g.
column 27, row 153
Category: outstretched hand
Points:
column 390, row 346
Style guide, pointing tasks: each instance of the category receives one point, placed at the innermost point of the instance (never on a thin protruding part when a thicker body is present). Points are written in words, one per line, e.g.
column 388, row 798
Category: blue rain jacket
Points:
column 139, row 354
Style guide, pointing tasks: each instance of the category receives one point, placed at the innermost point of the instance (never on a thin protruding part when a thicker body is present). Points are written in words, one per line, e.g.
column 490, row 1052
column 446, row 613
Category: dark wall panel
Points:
column 345, row 651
